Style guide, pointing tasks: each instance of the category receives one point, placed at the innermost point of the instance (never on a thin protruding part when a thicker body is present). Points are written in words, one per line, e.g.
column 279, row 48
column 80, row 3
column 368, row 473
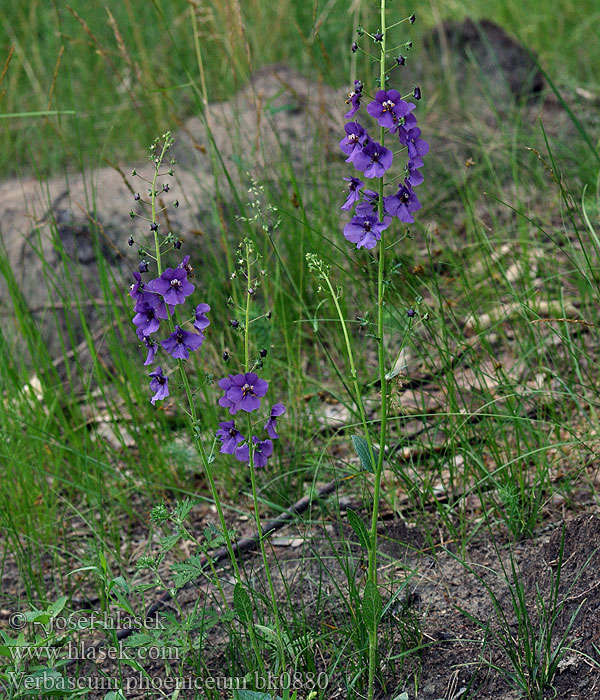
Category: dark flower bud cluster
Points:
column 373, row 160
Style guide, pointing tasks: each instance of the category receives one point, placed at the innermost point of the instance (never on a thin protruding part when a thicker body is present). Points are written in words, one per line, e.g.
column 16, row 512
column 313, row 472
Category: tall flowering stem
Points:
column 372, row 570
column 251, row 445
column 374, row 213
column 157, row 300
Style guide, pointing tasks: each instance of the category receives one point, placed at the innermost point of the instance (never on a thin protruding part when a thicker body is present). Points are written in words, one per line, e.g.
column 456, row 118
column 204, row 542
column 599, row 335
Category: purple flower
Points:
column 156, row 302
column 354, row 99
column 201, row 321
column 137, row 291
column 404, row 125
column 229, row 436
column 180, row 342
column 414, row 177
column 145, row 319
column 262, row 451
column 417, row 147
column 271, row 425
column 152, row 348
column 353, row 191
column 355, row 138
column 403, row 204
column 388, row 107
column 242, row 392
column 172, row 285
column 373, row 159
column 368, row 207
column 365, row 231
column 159, row 384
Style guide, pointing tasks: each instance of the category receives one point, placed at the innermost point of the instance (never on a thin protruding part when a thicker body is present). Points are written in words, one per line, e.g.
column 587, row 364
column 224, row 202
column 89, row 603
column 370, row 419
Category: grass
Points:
column 146, row 75
column 492, row 424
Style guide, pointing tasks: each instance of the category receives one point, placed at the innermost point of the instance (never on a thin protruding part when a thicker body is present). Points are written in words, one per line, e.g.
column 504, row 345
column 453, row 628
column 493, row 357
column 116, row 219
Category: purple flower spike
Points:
column 180, row 342
column 373, row 159
column 242, row 392
column 229, row 436
column 353, row 192
column 145, row 319
column 201, row 322
column 262, row 451
column 388, row 108
column 355, row 138
column 173, row 286
column 354, row 99
column 159, row 384
column 271, row 425
column 365, row 231
column 403, row 204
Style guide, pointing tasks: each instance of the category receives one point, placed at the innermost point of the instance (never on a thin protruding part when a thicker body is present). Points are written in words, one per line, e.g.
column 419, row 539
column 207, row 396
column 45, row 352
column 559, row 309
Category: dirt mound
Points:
column 55, row 233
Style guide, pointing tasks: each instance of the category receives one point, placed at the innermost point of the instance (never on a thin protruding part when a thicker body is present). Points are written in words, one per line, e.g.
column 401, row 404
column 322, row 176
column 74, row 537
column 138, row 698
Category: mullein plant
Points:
column 373, row 155
column 169, row 333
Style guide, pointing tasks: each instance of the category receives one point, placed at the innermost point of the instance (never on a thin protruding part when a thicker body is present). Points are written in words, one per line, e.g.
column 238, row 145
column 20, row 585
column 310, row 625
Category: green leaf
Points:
column 242, row 603
column 359, row 528
column 57, row 606
column 187, row 571
column 253, row 695
column 168, row 542
column 371, row 607
column 183, row 508
column 362, row 450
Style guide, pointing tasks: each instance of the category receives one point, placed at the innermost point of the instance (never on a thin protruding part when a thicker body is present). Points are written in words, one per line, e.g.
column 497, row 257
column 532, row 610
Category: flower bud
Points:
column 130, row 241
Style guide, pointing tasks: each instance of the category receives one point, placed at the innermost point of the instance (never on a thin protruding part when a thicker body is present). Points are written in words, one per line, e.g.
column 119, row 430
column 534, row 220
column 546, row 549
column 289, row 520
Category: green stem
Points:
column 193, row 416
column 372, row 570
column 251, row 457
column 353, row 373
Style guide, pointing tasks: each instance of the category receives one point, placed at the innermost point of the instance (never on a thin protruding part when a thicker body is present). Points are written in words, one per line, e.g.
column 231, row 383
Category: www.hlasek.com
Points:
column 91, row 653
column 52, row 682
